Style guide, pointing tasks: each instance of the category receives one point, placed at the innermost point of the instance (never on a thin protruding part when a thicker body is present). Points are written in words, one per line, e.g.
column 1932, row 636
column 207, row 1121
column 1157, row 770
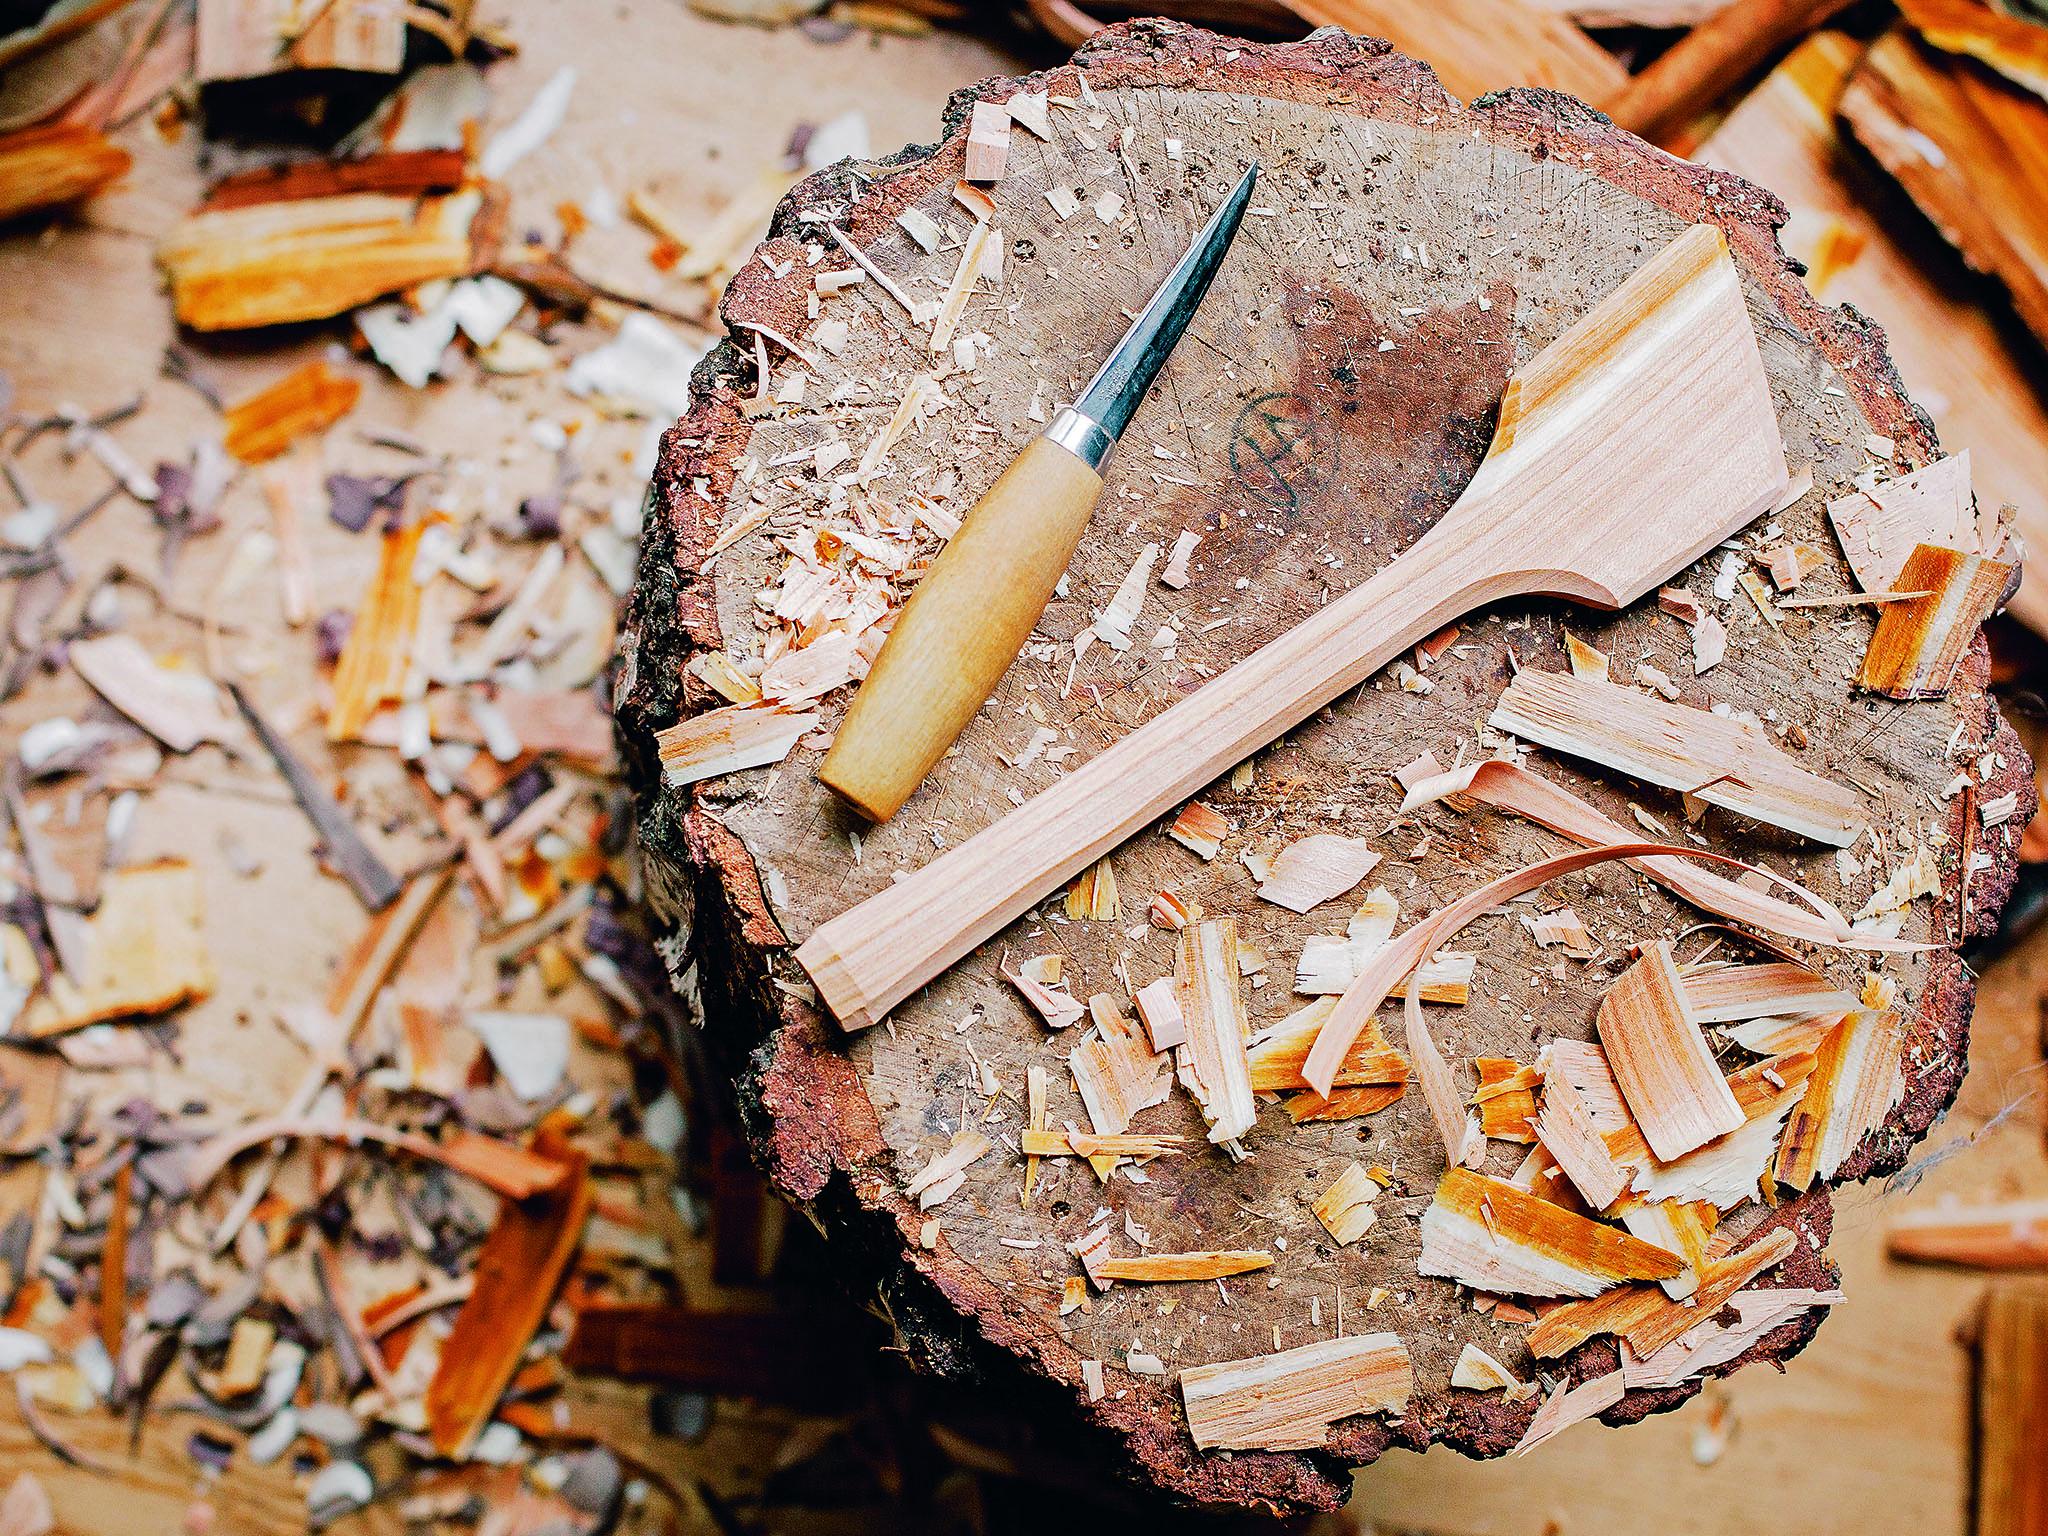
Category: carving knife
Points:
column 985, row 592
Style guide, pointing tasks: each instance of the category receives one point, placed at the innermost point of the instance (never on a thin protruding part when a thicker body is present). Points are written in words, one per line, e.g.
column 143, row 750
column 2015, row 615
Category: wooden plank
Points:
column 2012, row 1412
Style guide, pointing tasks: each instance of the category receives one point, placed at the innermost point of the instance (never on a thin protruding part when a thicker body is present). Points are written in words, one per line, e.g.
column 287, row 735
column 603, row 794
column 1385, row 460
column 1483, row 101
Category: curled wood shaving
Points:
column 1662, row 861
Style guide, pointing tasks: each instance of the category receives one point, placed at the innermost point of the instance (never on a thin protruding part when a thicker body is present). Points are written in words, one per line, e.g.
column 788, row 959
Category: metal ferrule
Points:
column 1082, row 436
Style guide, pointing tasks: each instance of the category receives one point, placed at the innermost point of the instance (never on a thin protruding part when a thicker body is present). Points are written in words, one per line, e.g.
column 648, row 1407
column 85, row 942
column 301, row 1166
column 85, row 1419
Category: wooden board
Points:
column 1307, row 454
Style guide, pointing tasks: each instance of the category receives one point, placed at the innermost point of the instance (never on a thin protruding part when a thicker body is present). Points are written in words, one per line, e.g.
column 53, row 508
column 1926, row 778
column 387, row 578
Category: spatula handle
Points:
column 962, row 628
column 867, row 960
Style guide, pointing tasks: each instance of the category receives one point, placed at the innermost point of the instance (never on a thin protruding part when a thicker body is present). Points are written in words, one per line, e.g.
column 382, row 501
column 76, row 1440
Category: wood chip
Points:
column 1058, row 1009
column 1723, row 760
column 1485, row 1233
column 1288, row 1401
column 52, row 165
column 1153, row 1267
column 180, row 709
column 1568, row 1406
column 1648, row 1318
column 1661, row 1059
column 1277, row 1058
column 517, row 1272
column 728, row 739
column 940, row 1177
column 1316, row 869
column 1477, row 1371
column 1506, row 1098
column 988, row 141
column 308, row 258
column 1211, row 1065
column 308, row 399
column 1346, row 1208
column 377, row 659
column 1158, row 1004
column 1092, row 897
column 146, row 953
column 1919, row 645
column 1856, row 1080
column 1733, row 992
column 1116, row 1070
column 1199, row 828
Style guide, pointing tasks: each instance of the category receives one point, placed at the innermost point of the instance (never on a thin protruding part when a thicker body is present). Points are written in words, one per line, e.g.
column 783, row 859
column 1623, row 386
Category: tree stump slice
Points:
column 1333, row 397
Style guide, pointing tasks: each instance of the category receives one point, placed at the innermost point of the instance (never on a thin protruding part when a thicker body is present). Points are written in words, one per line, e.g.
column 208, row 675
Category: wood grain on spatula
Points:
column 1625, row 450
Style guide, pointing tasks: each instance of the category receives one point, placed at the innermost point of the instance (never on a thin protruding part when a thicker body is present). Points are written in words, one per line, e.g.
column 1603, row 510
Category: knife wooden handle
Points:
column 962, row 628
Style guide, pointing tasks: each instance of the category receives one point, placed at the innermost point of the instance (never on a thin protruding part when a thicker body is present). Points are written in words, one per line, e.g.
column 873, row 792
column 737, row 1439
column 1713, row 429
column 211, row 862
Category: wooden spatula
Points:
column 1625, row 450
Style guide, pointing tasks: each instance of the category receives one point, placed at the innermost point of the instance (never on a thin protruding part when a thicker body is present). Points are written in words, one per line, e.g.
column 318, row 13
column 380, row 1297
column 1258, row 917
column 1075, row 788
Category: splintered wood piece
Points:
column 2014, row 45
column 1727, row 1170
column 1880, row 527
column 1305, row 874
column 1722, row 760
column 1856, row 1080
column 2013, row 1235
column 1288, row 1401
column 1970, row 146
column 517, row 1271
column 1116, row 1070
column 1712, row 1342
column 1571, row 1405
column 1158, row 1004
column 1661, row 1059
column 725, row 740
column 1457, row 1126
column 1276, row 1059
column 1575, row 431
column 1477, row 1371
column 1775, row 989
column 1486, row 1233
column 988, row 141
column 52, row 165
column 1346, row 1208
column 1070, row 1143
column 1185, row 1266
column 1919, row 645
column 1682, row 1229
column 1211, row 1064
column 1092, row 898
column 1581, row 1103
column 309, row 258
column 179, row 708
column 1058, row 1009
column 1329, row 964
column 1035, row 1086
column 1343, row 1103
column 1200, row 828
column 1506, row 1098
column 937, row 1180
column 1644, row 1315
column 377, row 658
column 1481, row 45
column 145, row 954
column 263, row 425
